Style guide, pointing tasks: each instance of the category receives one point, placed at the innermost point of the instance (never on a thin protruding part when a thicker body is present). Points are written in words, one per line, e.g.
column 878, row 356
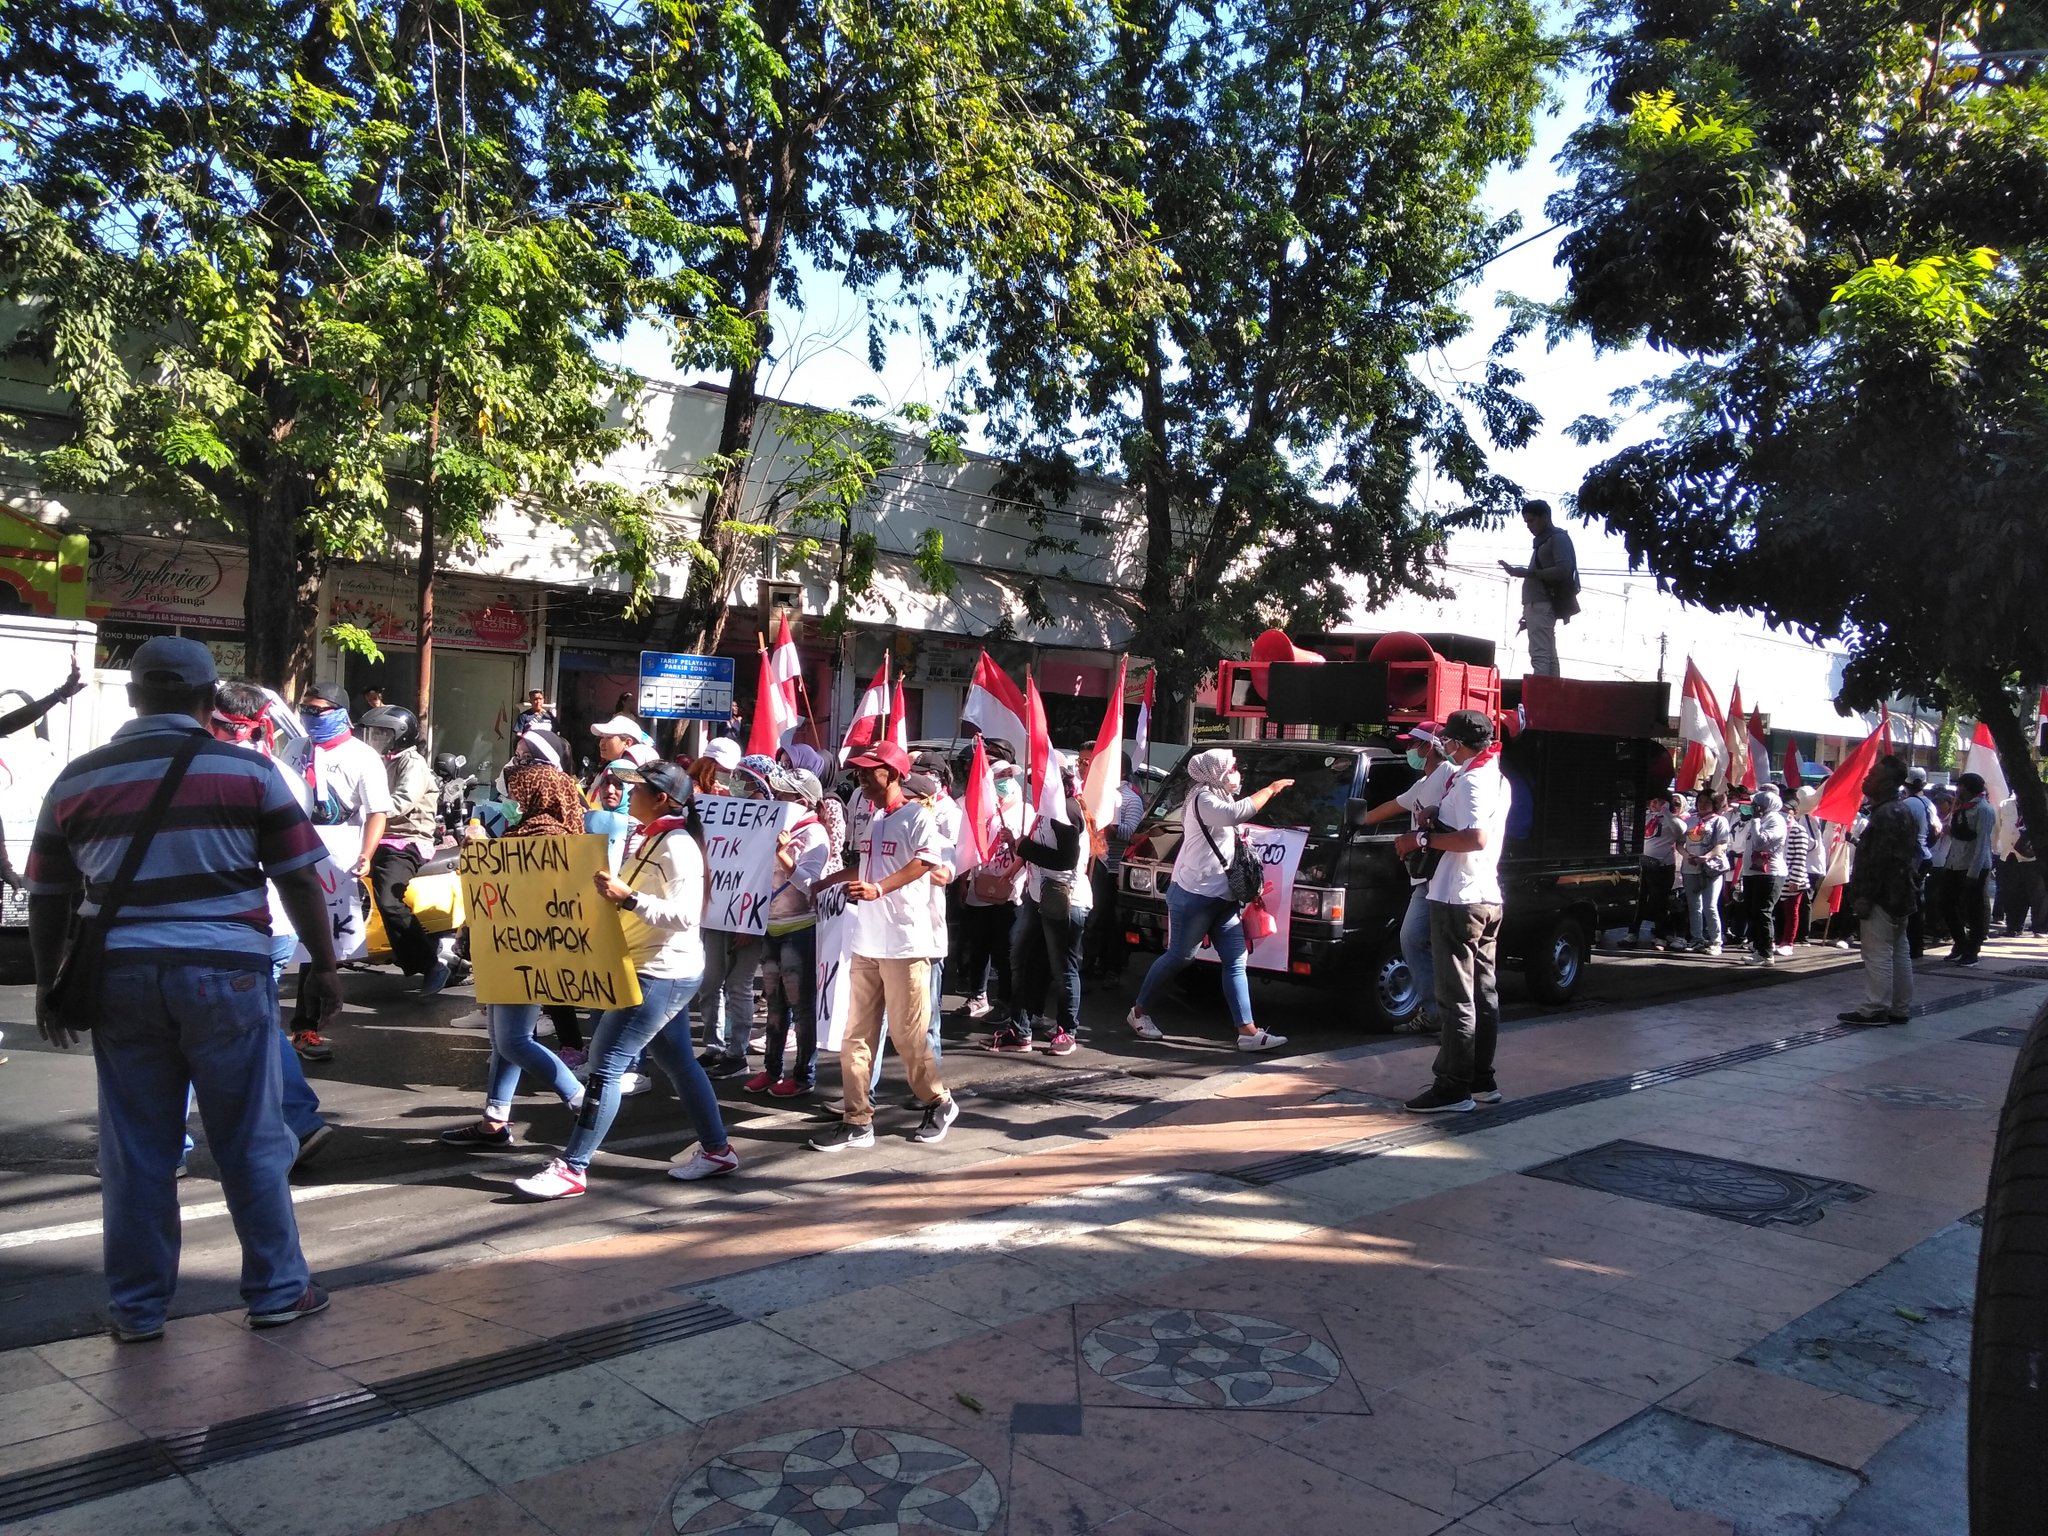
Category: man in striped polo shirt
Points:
column 188, row 992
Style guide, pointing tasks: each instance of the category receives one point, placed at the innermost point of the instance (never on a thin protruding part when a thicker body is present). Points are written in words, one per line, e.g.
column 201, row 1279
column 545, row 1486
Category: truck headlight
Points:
column 1310, row 902
column 1139, row 880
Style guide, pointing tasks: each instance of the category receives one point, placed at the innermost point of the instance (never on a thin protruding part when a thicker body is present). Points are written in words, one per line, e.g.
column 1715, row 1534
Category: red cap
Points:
column 883, row 754
column 1429, row 732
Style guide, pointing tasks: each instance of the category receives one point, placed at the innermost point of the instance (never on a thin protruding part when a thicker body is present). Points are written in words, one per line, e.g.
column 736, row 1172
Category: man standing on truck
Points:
column 1420, row 800
column 1550, row 587
column 1464, row 915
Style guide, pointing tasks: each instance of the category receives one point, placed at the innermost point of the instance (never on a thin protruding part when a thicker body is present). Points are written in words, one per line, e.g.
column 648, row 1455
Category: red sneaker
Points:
column 790, row 1088
column 760, row 1082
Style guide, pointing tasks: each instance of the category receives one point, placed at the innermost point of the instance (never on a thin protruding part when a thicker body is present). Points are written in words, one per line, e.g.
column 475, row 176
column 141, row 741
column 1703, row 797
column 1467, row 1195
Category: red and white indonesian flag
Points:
column 994, row 706
column 981, row 815
column 1702, row 729
column 1759, row 750
column 1843, row 795
column 1105, row 769
column 1982, row 760
column 871, row 718
column 1795, row 769
column 789, row 667
column 1736, row 771
column 1141, row 741
column 1047, row 798
column 775, row 713
column 898, row 732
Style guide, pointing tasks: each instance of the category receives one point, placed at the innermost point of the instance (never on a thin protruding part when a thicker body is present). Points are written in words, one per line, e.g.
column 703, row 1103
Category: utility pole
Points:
column 1663, row 646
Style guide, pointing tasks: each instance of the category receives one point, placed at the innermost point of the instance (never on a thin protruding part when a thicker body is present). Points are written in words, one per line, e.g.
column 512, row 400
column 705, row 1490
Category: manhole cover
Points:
column 1691, row 1181
column 1999, row 1034
column 1905, row 1096
column 814, row 1481
column 1211, row 1359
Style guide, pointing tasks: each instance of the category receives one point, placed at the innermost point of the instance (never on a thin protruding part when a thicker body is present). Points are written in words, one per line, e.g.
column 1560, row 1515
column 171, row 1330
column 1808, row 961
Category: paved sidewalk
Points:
column 1272, row 1303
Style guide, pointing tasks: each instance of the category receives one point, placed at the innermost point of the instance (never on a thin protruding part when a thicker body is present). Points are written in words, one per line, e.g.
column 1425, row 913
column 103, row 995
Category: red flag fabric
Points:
column 1105, row 768
column 1759, row 750
column 1701, row 728
column 1047, row 799
column 1795, row 770
column 898, row 733
column 980, row 812
column 1843, row 795
column 774, row 715
column 872, row 715
column 1981, row 758
column 1735, row 742
column 789, row 672
column 994, row 706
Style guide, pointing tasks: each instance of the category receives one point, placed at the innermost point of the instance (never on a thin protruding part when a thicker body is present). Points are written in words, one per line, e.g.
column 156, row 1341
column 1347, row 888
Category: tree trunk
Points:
column 1160, row 632
column 429, row 505
column 2015, row 756
column 700, row 622
column 281, row 605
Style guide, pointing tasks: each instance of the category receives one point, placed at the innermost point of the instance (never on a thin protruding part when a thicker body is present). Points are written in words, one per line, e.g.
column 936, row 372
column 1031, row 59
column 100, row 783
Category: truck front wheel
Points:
column 1557, row 960
column 1381, row 995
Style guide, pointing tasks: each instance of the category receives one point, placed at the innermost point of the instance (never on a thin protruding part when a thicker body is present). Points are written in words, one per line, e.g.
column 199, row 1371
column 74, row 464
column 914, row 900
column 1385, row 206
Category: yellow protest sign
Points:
column 538, row 930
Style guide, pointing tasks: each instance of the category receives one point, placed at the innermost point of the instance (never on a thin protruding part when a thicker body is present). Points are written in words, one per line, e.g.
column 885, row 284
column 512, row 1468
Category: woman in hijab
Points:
column 550, row 804
column 831, row 811
column 1198, row 903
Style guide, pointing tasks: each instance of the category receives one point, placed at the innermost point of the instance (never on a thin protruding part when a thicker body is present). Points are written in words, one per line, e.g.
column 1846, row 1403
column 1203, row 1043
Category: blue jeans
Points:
column 789, row 980
column 659, row 1025
column 164, row 1027
column 727, row 999
column 1189, row 920
column 513, row 1051
column 1703, row 905
column 1044, row 951
column 301, row 1104
column 1416, row 952
column 931, row 1030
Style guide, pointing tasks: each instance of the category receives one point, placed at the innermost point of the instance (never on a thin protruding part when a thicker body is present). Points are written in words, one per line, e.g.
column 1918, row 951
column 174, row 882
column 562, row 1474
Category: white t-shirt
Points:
column 1197, row 869
column 1425, row 794
column 947, row 818
column 1478, row 797
column 348, row 786
column 899, row 926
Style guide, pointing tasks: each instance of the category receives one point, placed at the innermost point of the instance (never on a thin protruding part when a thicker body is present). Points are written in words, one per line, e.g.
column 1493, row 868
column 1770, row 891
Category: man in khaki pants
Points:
column 896, row 847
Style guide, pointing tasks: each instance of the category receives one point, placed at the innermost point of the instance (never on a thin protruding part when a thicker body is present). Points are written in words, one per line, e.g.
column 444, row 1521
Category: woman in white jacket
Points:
column 661, row 905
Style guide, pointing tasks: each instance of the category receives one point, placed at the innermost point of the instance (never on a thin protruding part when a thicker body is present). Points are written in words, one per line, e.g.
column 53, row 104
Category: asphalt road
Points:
column 385, row 1197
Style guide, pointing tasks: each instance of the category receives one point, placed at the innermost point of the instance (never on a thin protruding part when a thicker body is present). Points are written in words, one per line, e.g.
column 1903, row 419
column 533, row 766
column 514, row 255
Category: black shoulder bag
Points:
column 74, row 994
column 1242, row 871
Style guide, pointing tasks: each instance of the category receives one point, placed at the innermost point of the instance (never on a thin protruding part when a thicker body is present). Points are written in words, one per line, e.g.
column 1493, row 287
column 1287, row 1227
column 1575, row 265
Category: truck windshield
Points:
column 1323, row 783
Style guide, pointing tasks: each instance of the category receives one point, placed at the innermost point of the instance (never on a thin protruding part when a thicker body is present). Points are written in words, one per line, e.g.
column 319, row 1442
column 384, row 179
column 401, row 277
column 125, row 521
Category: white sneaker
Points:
column 557, row 1181
column 1751, row 957
column 706, row 1165
column 1713, row 949
column 1784, row 949
column 1260, row 1040
column 1143, row 1027
column 631, row 1083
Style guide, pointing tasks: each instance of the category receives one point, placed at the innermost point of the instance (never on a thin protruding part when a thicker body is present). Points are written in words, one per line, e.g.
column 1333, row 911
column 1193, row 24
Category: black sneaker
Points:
column 311, row 1300
column 477, row 1134
column 311, row 1143
column 938, row 1119
column 728, row 1066
column 1440, row 1101
column 1898, row 1018
column 844, row 1138
column 1063, row 1044
column 1859, row 1017
column 1009, row 1038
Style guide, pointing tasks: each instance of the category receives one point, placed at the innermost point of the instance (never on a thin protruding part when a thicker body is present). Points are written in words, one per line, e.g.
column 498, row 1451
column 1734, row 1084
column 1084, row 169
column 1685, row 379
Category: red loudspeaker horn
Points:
column 1274, row 646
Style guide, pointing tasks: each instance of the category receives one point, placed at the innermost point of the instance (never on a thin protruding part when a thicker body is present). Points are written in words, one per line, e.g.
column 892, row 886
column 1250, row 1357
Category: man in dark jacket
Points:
column 1884, row 890
column 1550, row 587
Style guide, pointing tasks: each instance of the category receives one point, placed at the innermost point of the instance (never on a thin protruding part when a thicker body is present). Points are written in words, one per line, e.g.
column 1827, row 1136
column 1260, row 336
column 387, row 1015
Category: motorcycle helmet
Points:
column 389, row 728
column 448, row 765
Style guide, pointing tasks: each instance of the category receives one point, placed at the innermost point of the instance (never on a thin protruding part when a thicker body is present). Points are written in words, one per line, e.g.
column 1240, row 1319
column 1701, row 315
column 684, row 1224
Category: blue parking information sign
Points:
column 674, row 686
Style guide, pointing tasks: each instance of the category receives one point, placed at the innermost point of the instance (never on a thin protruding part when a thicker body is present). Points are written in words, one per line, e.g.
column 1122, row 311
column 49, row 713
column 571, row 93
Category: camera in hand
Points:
column 1423, row 861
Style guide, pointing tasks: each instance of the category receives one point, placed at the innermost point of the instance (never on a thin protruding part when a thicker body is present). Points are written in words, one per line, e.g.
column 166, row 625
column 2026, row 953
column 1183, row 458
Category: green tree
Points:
column 1837, row 218
column 1313, row 170
column 334, row 272
column 886, row 145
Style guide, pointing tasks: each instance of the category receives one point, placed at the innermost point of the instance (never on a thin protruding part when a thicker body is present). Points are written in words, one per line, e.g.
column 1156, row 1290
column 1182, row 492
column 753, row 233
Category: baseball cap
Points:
column 171, row 661
column 669, row 778
column 1468, row 728
column 620, row 725
column 325, row 688
column 1429, row 732
column 725, row 752
column 883, row 754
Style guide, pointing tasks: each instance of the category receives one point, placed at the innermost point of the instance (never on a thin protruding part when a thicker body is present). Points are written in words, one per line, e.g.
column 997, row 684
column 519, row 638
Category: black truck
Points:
column 1570, row 866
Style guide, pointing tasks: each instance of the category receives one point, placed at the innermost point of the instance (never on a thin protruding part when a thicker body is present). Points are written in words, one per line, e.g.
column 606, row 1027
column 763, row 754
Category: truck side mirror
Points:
column 1354, row 812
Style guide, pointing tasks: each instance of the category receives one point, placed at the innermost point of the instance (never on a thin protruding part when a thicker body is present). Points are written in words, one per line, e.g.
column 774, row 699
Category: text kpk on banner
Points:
column 538, row 930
